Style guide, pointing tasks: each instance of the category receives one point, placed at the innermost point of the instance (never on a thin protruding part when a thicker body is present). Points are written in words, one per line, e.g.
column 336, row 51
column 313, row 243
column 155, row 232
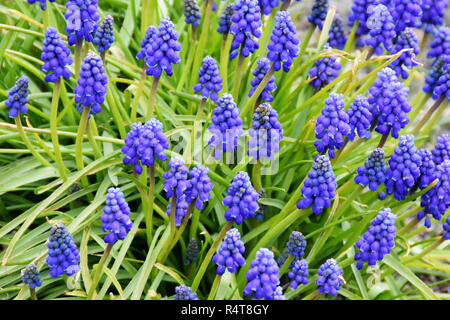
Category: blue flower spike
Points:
column 183, row 292
column 192, row 13
column 42, row 3
column 373, row 173
column 318, row 13
column 360, row 118
column 330, row 278
column 146, row 42
column 191, row 252
column 82, row 17
column 225, row 20
column 230, row 255
column 299, row 273
column 104, row 35
column 200, row 187
column 210, row 80
column 116, row 216
column 406, row 40
column 382, row 29
column 433, row 12
column 18, row 97
column 324, row 71
column 263, row 66
column 56, row 57
column 31, row 276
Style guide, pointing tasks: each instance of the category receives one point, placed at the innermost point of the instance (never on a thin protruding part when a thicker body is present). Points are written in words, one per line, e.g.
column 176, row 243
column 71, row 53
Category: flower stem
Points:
column 383, row 139
column 285, row 5
column 306, row 40
column 183, row 226
column 166, row 249
column 78, row 53
column 428, row 115
column 201, row 271
column 153, row 97
column 79, row 142
column 89, row 130
column 256, row 94
column 137, row 96
column 286, row 265
column 98, row 271
column 257, row 176
column 351, row 38
column 224, row 59
column 33, row 294
column 46, row 17
column 151, row 198
column 194, row 223
column 238, row 77
column 54, row 130
column 215, row 286
column 28, row 142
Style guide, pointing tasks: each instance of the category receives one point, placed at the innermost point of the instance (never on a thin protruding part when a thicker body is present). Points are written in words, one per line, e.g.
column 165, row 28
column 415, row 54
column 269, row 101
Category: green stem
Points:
column 416, row 105
column 28, row 143
column 79, row 142
column 224, row 59
column 54, row 130
column 434, row 119
column 257, row 176
column 183, row 226
column 166, row 249
column 286, row 265
column 256, row 94
column 78, row 53
column 194, row 223
column 33, row 294
column 89, row 130
column 428, row 115
column 351, row 38
column 215, row 286
column 98, row 271
column 424, row 252
column 46, row 17
column 201, row 271
column 306, row 40
column 238, row 77
column 151, row 198
column 137, row 96
column 152, row 103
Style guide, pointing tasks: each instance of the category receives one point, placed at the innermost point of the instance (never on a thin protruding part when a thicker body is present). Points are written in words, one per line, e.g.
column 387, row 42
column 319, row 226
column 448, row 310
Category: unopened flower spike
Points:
column 318, row 13
column 296, row 244
column 324, row 71
column 406, row 40
column 382, row 29
column 427, row 169
column 433, row 12
column 116, row 216
column 18, row 97
column 225, row 20
column 373, row 173
column 82, row 17
column 241, row 199
column 329, row 280
column 299, row 273
column 405, row 13
column 441, row 151
column 263, row 66
column 56, row 56
column 336, row 36
column 230, row 255
column 42, row 3
column 31, row 276
column 441, row 43
column 200, row 186
column 104, row 35
column 192, row 13
column 378, row 241
column 263, row 277
column 210, row 80
column 146, row 42
column 63, row 255
column 183, row 292
column 191, row 252
column 319, row 187
column 360, row 118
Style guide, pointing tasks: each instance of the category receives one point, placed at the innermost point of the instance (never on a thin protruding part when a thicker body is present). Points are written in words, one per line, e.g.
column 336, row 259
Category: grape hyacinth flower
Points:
column 266, row 133
column 31, row 276
column 296, row 244
column 405, row 13
column 192, row 13
column 226, row 126
column 382, row 29
column 329, row 280
column 82, row 17
column 180, row 210
column 42, row 3
column 283, row 47
column 446, row 227
column 427, row 169
column 436, row 201
column 210, row 79
column 263, row 276
column 191, row 252
column 360, row 15
column 441, row 151
column 406, row 40
column 262, row 208
column 373, row 173
column 104, row 35
column 360, row 118
column 319, row 187
column 324, row 71
column 299, row 273
column 378, row 241
column 162, row 50
column 63, row 255
column 246, row 22
column 404, row 168
column 200, row 186
column 144, row 144
column 278, row 294
column 389, row 101
column 176, row 178
column 432, row 79
column 56, row 57
column 230, row 255
column 91, row 88
column 18, row 97
column 441, row 43
column 318, row 13
column 146, row 42
column 332, row 126
column 433, row 12
column 183, row 292
column 225, row 20
column 241, row 199
column 263, row 66
column 442, row 88
column 336, row 36
column 116, row 216
column 268, row 5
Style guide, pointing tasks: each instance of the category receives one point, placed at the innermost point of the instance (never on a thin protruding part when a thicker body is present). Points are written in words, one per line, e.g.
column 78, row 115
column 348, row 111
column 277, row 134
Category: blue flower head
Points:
column 260, row 71
column 180, row 211
column 146, row 42
column 389, row 101
column 324, row 71
column 446, row 227
column 116, row 216
column 382, row 28
column 18, row 97
column 210, row 79
column 406, row 13
column 320, row 186
column 404, row 168
column 336, row 36
column 91, row 88
column 246, row 24
column 268, row 5
column 230, row 255
column 191, row 252
column 82, row 17
column 427, row 169
column 283, row 47
column 359, row 14
column 162, row 50
column 200, row 186
column 63, row 255
column 378, row 241
column 436, row 201
column 104, row 35
column 406, row 40
column 183, row 292
column 442, row 87
column 373, row 173
column 42, row 3
column 332, row 126
column 56, row 56
column 31, row 276
column 266, row 133
column 241, row 200
column 176, row 178
column 299, row 273
column 296, row 244
column 225, row 20
column 263, row 276
column 436, row 70
column 144, row 144
column 441, row 151
column 329, row 280
column 433, row 12
column 278, row 294
column 226, row 126
column 360, row 118
column 192, row 12
column 318, row 13
column 441, row 43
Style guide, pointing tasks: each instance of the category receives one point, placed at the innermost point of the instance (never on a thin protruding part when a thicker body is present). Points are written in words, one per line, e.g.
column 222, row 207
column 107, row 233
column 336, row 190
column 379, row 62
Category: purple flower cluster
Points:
column 320, row 186
column 145, row 143
column 446, row 227
column 192, row 12
column 359, row 14
column 42, row 3
column 268, row 5
column 210, row 79
column 378, row 241
column 145, row 43
column 441, row 43
column 296, row 244
column 183, row 292
column 332, row 126
column 82, row 17
column 433, row 12
column 180, row 210
column 230, row 255
column 427, row 169
column 329, row 280
column 373, row 173
column 406, row 40
column 406, row 13
column 441, row 151
column 324, row 71
column 299, row 273
column 432, row 79
column 241, row 200
column 336, row 36
column 278, row 294
column 104, row 35
column 116, row 216
column 200, row 186
column 176, row 178
column 442, row 88
column 162, row 50
column 31, row 276
column 260, row 71
column 263, row 276
column 360, row 118
column 382, row 28
column 318, row 13
column 225, row 20
column 18, row 97
column 56, row 56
